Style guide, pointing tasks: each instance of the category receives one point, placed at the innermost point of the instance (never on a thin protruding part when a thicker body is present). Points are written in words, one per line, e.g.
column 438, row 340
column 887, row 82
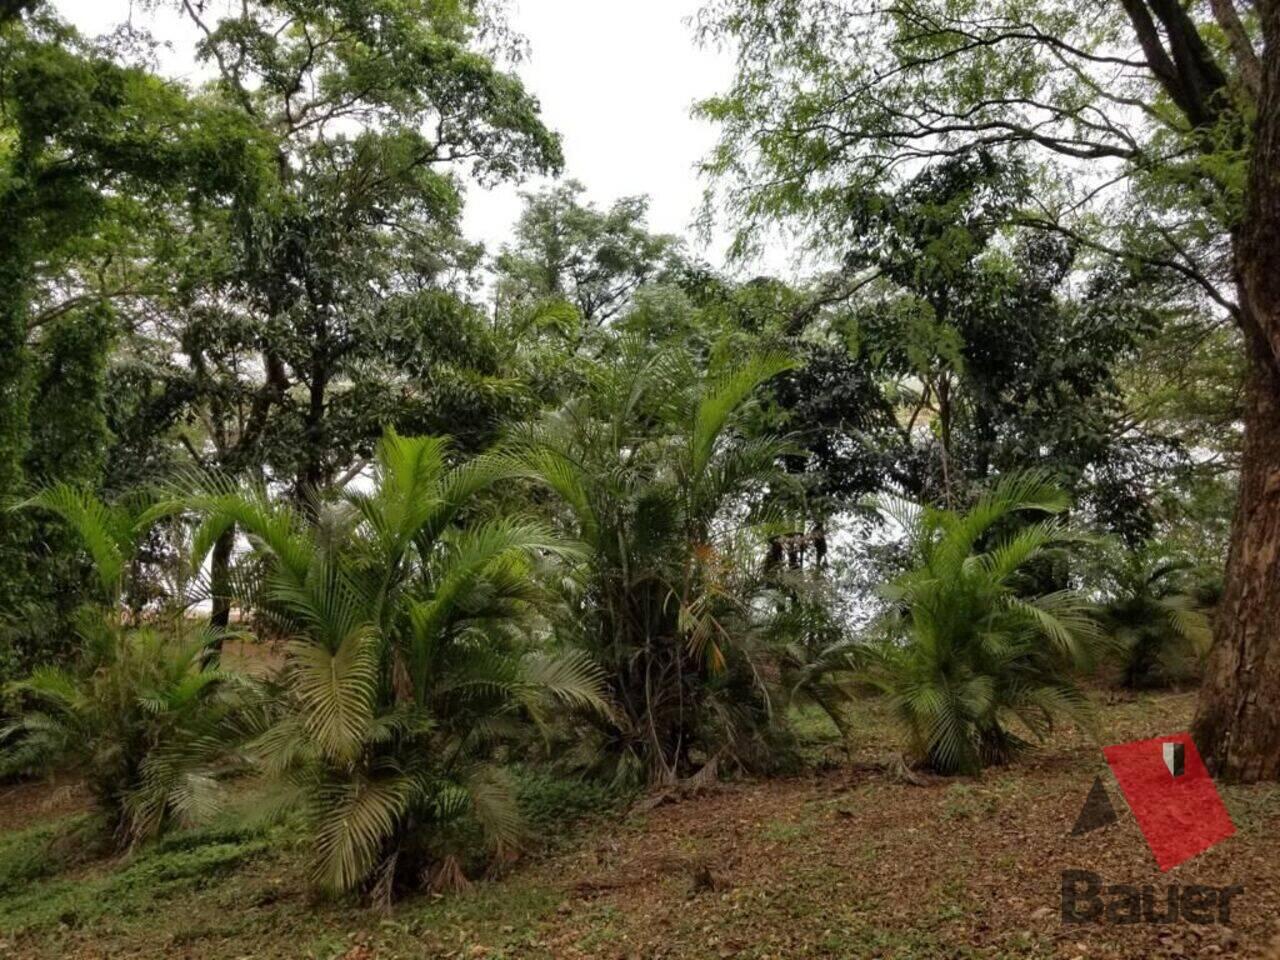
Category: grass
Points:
column 847, row 861
column 40, row 851
column 137, row 887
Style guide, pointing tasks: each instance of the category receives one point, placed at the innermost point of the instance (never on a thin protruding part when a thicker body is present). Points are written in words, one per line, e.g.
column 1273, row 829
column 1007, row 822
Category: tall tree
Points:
column 568, row 251
column 1168, row 114
column 310, row 325
column 1000, row 343
column 86, row 143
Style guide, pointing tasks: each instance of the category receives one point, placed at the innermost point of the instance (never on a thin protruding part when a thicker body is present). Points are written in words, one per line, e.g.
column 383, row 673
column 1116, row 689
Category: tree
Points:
column 143, row 717
column 659, row 480
column 966, row 646
column 149, row 725
column 568, row 251
column 88, row 145
column 999, row 343
column 411, row 661
column 311, row 322
column 1174, row 121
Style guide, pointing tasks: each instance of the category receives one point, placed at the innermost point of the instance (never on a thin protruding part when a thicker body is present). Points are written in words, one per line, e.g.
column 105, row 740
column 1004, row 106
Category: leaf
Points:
column 336, row 690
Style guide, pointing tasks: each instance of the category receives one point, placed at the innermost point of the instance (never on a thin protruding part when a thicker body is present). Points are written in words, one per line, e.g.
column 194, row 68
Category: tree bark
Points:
column 1237, row 725
column 220, row 582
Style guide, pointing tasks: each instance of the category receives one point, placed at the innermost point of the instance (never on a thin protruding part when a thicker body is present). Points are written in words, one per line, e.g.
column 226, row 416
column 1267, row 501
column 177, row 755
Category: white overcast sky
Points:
column 615, row 78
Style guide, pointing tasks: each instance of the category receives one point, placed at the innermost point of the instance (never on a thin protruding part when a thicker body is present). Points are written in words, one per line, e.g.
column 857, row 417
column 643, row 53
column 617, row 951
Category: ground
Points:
column 852, row 860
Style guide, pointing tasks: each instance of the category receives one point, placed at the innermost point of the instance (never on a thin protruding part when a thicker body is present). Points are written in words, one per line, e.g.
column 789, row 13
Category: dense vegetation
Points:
column 588, row 506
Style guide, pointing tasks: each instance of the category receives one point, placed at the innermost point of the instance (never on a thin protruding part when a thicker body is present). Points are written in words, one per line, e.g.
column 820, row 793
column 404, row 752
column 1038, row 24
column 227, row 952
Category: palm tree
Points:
column 806, row 630
column 659, row 483
column 109, row 532
column 968, row 645
column 409, row 661
column 149, row 727
column 1160, row 630
column 142, row 718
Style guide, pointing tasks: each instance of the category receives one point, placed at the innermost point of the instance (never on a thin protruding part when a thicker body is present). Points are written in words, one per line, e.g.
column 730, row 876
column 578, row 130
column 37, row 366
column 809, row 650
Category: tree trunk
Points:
column 311, row 477
column 220, row 583
column 1237, row 725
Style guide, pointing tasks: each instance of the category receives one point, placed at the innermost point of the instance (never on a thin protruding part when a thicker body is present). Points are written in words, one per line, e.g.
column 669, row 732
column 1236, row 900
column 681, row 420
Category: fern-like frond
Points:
column 336, row 690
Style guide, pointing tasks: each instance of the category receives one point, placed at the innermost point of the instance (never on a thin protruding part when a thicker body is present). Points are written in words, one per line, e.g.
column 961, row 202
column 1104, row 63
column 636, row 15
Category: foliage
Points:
column 40, row 851
column 657, row 479
column 991, row 339
column 832, row 100
column 88, row 147
column 409, row 662
column 566, row 252
column 343, row 307
column 1150, row 610
column 151, row 880
column 986, row 165
column 806, row 629
column 149, row 726
column 554, row 805
column 145, row 718
column 967, row 648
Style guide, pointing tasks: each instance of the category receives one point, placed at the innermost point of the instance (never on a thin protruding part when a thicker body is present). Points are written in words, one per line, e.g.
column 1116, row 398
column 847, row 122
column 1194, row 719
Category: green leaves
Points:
column 973, row 641
column 722, row 397
column 656, row 467
column 355, row 819
column 1158, row 630
column 147, row 726
column 336, row 691
column 109, row 532
column 572, row 680
column 405, row 669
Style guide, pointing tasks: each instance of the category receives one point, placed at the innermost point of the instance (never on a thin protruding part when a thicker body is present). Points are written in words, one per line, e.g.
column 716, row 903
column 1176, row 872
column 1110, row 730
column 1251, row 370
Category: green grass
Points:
column 140, row 886
column 227, row 885
column 41, row 851
column 554, row 806
column 231, row 884
column 787, row 831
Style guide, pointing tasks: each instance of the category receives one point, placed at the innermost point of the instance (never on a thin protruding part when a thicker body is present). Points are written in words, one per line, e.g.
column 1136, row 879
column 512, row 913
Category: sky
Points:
column 615, row 78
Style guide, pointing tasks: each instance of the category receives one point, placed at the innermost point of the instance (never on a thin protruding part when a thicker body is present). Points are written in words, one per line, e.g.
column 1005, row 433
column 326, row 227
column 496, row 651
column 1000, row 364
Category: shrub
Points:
column 658, row 481
column 143, row 717
column 410, row 662
column 969, row 644
column 1160, row 631
column 149, row 727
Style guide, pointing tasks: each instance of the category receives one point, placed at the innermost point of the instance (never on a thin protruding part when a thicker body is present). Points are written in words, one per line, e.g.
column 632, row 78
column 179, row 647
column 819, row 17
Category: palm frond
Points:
column 354, row 821
column 336, row 690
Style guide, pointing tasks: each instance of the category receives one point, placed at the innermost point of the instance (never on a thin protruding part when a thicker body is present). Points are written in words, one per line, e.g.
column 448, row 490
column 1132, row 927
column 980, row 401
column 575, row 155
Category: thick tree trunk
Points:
column 1237, row 726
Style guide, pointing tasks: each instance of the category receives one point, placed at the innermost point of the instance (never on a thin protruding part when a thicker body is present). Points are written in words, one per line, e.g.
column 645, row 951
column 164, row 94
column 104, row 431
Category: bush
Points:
column 552, row 804
column 147, row 724
column 1152, row 613
column 970, row 643
column 657, row 477
column 411, row 662
column 42, row 851
column 145, row 717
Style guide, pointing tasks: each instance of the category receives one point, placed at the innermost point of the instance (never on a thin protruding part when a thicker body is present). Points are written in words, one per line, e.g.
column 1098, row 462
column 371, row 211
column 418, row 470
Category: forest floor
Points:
column 847, row 861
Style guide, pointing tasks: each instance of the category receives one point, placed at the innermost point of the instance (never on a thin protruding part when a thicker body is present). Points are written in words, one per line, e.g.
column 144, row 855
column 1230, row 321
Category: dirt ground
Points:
column 852, row 862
